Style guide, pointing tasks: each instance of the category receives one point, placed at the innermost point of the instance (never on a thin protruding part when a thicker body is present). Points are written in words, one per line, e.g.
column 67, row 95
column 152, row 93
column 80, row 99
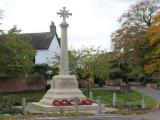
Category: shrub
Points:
column 6, row 106
column 9, row 101
column 144, row 79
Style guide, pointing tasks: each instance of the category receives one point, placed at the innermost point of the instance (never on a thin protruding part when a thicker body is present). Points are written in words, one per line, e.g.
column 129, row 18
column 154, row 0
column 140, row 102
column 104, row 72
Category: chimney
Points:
column 52, row 28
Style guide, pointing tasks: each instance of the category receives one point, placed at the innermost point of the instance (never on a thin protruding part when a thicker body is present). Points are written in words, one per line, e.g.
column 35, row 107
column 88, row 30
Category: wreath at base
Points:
column 70, row 102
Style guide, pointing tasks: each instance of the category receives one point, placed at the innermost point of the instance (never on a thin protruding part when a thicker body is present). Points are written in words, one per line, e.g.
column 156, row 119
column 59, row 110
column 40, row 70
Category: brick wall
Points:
column 15, row 84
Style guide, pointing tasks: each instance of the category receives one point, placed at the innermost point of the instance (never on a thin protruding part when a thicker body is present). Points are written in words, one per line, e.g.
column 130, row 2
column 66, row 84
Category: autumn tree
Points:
column 152, row 57
column 16, row 53
column 140, row 14
column 154, row 30
column 131, row 39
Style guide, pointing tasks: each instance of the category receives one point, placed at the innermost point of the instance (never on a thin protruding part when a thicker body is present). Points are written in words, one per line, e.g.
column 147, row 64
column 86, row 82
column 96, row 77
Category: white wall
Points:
column 41, row 57
column 48, row 56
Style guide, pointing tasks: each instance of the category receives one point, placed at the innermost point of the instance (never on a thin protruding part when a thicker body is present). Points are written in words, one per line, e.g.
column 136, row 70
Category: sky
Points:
column 91, row 24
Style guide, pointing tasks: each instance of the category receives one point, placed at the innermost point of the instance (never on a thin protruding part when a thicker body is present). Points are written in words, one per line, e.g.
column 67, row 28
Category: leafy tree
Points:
column 107, row 65
column 16, row 53
column 140, row 14
column 152, row 57
column 44, row 71
column 154, row 30
column 74, row 66
column 102, row 66
column 134, row 24
column 82, row 61
column 119, row 67
column 131, row 39
column 91, row 63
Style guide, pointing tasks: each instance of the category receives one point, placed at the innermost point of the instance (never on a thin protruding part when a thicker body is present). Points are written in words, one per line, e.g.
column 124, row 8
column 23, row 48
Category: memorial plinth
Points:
column 64, row 86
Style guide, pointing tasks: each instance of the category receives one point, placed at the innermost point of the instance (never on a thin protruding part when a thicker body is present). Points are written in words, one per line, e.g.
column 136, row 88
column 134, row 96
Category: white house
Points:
column 47, row 45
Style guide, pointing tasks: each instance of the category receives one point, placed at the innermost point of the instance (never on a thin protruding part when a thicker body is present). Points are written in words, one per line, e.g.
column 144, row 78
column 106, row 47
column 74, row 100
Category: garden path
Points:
column 148, row 92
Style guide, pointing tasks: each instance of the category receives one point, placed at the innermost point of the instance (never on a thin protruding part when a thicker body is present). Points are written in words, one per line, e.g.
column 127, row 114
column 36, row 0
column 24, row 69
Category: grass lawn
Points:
column 133, row 97
column 35, row 116
column 106, row 96
column 16, row 98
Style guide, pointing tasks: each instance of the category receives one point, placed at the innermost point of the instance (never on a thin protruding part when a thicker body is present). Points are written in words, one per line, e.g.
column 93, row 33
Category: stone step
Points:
column 49, row 99
column 38, row 107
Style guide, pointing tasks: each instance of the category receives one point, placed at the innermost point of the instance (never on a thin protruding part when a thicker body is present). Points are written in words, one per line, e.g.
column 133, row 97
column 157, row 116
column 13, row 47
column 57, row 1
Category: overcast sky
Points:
column 91, row 24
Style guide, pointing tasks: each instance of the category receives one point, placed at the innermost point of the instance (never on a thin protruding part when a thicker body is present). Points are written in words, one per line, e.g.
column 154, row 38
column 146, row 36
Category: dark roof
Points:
column 41, row 40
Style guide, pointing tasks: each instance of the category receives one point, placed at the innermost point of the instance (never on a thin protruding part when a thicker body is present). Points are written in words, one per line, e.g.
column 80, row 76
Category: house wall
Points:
column 48, row 56
column 41, row 57
column 53, row 50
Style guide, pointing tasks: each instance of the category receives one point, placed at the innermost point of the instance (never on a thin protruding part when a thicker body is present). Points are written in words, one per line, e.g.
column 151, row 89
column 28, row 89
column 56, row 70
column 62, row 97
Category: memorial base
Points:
column 63, row 87
column 37, row 107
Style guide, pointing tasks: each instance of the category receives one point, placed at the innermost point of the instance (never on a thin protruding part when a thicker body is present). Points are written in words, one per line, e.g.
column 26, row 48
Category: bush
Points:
column 157, row 81
column 9, row 101
column 144, row 79
column 6, row 106
column 44, row 71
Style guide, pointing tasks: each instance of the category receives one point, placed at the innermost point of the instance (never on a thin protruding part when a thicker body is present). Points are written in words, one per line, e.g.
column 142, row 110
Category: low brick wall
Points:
column 134, row 83
column 151, row 85
column 115, row 82
column 16, row 84
column 124, row 88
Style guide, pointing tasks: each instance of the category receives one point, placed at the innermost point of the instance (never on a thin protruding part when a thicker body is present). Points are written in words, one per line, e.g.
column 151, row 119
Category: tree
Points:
column 16, row 53
column 107, row 65
column 44, row 71
column 82, row 61
column 131, row 39
column 140, row 14
column 101, row 66
column 154, row 30
column 134, row 24
column 91, row 63
column 152, row 57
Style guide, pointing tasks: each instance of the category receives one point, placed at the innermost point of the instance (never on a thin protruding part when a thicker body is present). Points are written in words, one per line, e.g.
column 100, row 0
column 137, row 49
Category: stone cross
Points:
column 64, row 42
column 64, row 13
